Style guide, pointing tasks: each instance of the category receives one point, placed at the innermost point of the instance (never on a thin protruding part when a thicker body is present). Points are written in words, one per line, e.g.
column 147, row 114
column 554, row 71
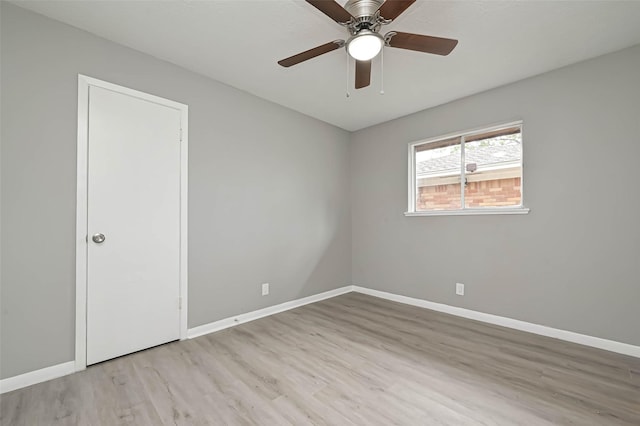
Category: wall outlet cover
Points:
column 460, row 289
column 265, row 289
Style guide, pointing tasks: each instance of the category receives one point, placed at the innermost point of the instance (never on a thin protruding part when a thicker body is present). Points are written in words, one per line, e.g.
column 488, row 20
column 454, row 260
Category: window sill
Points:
column 471, row 212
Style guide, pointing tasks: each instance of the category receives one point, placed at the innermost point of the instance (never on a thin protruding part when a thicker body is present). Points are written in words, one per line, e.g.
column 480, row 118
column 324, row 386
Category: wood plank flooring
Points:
column 350, row 360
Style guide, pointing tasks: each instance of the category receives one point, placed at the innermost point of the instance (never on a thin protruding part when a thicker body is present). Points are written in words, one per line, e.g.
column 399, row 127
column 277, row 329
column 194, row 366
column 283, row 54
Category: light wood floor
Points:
column 353, row 359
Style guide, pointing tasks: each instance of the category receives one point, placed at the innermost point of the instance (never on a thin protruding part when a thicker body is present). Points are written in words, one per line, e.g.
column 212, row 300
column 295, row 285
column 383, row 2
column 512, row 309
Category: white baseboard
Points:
column 37, row 376
column 569, row 336
column 265, row 312
column 27, row 379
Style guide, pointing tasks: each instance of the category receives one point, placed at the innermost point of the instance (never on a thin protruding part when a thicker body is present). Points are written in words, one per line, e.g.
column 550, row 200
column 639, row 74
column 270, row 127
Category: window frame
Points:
column 463, row 211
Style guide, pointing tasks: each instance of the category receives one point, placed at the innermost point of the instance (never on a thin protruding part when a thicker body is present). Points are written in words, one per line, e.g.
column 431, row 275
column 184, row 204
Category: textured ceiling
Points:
column 238, row 43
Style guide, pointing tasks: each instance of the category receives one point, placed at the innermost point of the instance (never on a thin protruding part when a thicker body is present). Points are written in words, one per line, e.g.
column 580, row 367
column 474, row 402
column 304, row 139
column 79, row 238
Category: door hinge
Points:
column 180, row 303
column 181, row 134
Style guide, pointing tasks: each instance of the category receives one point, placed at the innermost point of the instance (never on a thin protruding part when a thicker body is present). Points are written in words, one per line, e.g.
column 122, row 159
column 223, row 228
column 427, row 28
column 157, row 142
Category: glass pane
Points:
column 493, row 171
column 438, row 176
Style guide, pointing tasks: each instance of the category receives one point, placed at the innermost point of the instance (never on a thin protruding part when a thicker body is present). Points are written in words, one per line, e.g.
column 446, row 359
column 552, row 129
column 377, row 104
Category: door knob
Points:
column 98, row 238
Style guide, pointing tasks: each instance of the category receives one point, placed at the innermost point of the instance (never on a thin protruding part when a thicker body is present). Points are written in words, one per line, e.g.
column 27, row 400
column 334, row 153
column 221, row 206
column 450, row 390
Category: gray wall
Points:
column 574, row 261
column 268, row 189
column 270, row 197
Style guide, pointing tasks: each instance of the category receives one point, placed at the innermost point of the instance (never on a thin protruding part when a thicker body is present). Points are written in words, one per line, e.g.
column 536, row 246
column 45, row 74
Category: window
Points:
column 478, row 172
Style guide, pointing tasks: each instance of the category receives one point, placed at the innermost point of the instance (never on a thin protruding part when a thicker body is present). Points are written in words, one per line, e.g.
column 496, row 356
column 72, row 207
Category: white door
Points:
column 133, row 273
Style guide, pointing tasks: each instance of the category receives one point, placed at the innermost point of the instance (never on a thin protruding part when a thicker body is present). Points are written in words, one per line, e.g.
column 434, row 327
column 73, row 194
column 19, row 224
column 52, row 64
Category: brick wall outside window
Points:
column 488, row 193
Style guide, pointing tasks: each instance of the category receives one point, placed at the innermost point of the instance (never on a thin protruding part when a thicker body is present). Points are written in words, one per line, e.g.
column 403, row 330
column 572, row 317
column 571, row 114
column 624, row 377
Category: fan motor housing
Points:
column 362, row 8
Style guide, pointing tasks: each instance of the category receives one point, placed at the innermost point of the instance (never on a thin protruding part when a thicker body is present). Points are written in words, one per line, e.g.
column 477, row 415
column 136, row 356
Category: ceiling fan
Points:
column 363, row 19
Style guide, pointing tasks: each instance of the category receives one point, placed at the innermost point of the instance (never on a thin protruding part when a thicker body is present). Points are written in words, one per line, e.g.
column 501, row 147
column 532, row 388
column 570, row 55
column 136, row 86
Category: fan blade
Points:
column 363, row 74
column 311, row 53
column 332, row 9
column 422, row 43
column 391, row 9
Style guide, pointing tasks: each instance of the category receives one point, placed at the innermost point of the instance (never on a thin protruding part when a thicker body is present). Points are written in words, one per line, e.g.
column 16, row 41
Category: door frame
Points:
column 84, row 82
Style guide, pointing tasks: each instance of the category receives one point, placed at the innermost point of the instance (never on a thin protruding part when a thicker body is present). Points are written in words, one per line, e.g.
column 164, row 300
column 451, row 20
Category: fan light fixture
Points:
column 365, row 45
column 363, row 20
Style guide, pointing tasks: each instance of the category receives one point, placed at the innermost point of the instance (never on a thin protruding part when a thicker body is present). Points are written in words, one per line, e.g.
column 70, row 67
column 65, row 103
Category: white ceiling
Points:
column 239, row 41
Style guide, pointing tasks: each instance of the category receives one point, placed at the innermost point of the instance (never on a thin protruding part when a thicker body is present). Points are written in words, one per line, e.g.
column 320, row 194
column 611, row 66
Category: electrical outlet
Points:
column 265, row 289
column 460, row 289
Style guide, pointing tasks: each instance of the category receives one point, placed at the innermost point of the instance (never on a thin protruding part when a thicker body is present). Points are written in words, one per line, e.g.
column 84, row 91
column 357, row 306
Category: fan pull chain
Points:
column 382, row 71
column 346, row 86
